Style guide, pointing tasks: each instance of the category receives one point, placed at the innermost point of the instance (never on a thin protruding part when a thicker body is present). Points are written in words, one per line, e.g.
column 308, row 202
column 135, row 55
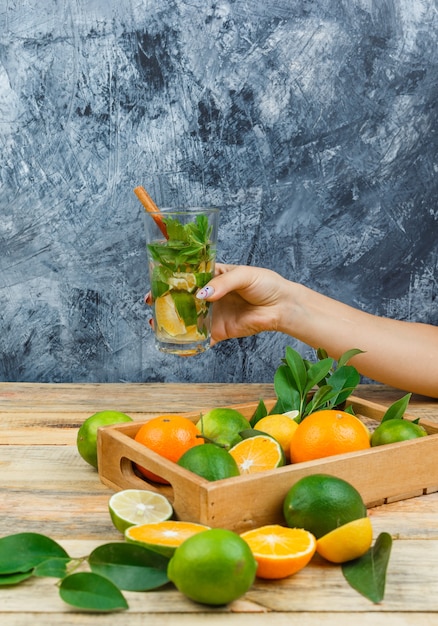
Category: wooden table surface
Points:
column 46, row 487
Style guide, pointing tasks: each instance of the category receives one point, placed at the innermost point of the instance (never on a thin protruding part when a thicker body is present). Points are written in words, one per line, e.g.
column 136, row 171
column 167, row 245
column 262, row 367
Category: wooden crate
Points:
column 382, row 474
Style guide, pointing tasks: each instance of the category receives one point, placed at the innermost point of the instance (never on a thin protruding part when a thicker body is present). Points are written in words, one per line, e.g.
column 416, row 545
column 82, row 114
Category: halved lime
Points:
column 131, row 507
column 185, row 281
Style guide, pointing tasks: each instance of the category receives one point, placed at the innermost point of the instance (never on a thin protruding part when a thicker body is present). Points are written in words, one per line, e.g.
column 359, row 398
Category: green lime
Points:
column 86, row 441
column 186, row 307
column 209, row 461
column 213, row 567
column 222, row 426
column 394, row 430
column 320, row 503
column 131, row 507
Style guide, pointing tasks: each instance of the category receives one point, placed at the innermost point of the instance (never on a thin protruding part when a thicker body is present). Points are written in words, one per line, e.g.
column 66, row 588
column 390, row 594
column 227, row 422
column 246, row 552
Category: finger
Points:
column 236, row 278
column 148, row 298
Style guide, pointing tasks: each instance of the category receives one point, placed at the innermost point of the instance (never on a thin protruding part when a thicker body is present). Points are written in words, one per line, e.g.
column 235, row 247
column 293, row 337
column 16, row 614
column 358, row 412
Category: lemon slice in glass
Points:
column 131, row 507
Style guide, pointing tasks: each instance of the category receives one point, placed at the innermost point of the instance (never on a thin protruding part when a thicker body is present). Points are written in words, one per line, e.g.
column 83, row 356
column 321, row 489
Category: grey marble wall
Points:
column 312, row 123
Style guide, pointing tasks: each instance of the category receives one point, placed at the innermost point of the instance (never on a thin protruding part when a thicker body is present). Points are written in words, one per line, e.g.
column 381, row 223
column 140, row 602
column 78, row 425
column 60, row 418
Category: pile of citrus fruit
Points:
column 222, row 444
column 323, row 514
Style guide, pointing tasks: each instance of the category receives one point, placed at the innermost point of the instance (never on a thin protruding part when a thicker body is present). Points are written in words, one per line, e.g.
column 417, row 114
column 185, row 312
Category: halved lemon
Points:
column 167, row 316
column 346, row 542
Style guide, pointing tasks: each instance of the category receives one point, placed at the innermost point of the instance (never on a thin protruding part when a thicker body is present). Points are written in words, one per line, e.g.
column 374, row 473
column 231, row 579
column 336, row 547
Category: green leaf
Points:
column 261, row 411
column 319, row 399
column 24, row 551
column 317, row 372
column 344, row 381
column 367, row 575
column 321, row 354
column 286, row 390
column 129, row 566
column 344, row 358
column 397, row 409
column 56, row 568
column 14, row 579
column 297, row 368
column 92, row 592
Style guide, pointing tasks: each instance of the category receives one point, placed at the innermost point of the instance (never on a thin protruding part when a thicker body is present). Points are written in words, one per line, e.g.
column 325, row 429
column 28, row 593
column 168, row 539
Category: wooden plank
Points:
column 217, row 617
column 129, row 397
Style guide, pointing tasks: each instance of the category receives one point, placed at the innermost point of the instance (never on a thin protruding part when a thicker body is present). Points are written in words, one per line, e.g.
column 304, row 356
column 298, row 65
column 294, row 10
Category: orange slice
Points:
column 167, row 316
column 280, row 551
column 163, row 537
column 257, row 454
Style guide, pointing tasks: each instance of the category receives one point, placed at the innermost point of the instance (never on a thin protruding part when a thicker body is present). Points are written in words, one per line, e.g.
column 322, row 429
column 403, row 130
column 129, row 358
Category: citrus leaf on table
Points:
column 367, row 575
column 23, row 551
column 397, row 408
column 13, row 579
column 130, row 567
column 55, row 568
column 92, row 592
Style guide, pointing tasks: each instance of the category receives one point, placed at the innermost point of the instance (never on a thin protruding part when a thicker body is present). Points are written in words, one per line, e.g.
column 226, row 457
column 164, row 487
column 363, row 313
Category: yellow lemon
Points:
column 346, row 542
column 281, row 427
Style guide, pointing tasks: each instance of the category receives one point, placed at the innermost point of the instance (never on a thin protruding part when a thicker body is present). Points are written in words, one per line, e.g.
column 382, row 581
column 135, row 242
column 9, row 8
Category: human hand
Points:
column 247, row 300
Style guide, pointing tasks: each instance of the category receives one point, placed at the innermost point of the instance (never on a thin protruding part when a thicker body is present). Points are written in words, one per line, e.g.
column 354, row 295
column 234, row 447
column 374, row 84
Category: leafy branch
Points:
column 303, row 386
column 115, row 567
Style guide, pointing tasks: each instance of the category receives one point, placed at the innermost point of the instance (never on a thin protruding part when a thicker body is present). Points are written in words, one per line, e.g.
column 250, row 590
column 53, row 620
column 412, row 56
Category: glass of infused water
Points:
column 181, row 248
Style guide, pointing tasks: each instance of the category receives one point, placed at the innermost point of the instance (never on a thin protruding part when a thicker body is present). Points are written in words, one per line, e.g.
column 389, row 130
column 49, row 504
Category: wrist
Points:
column 290, row 308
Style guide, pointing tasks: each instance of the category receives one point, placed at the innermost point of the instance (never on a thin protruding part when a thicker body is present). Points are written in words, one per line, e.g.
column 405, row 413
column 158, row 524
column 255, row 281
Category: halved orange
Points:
column 257, row 454
column 280, row 551
column 163, row 537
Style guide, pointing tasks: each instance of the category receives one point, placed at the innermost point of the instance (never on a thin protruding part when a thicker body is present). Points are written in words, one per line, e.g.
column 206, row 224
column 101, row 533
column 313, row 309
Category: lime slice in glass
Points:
column 182, row 280
column 131, row 507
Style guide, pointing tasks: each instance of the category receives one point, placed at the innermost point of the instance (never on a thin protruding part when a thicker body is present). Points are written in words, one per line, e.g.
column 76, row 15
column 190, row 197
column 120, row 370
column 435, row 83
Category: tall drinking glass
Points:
column 181, row 247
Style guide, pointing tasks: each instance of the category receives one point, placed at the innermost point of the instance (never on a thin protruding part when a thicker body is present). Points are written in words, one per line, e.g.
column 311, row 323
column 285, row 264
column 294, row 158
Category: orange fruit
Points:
column 280, row 551
column 257, row 454
column 163, row 537
column 170, row 436
column 328, row 432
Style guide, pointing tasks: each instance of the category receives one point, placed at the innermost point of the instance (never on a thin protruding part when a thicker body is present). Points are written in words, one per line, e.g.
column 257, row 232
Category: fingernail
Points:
column 148, row 298
column 205, row 292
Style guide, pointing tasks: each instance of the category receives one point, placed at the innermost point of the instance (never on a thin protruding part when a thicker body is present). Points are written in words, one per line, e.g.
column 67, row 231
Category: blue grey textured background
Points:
column 311, row 123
